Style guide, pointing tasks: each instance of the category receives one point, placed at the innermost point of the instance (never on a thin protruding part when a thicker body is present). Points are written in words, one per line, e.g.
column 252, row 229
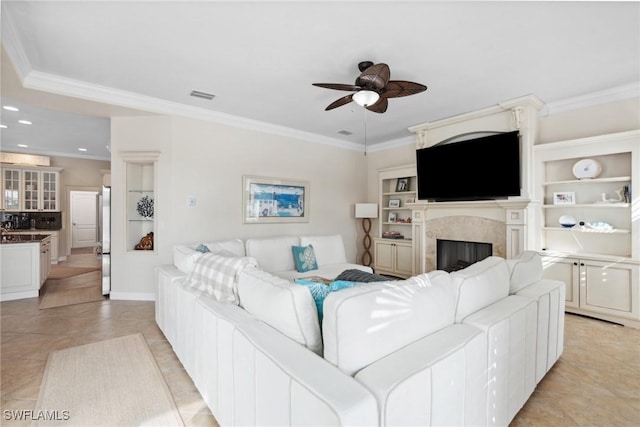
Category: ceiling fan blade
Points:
column 398, row 88
column 338, row 86
column 380, row 106
column 339, row 102
column 375, row 76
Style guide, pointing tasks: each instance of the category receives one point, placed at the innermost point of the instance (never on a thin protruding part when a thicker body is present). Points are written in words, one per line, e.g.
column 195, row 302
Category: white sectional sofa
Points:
column 465, row 348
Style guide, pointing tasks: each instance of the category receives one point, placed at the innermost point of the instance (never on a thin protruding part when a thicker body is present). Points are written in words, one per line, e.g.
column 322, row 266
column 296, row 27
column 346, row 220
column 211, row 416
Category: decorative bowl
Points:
column 567, row 221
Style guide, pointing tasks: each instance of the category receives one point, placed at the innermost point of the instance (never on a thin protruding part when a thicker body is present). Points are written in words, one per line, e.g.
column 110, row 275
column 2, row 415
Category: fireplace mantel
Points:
column 506, row 217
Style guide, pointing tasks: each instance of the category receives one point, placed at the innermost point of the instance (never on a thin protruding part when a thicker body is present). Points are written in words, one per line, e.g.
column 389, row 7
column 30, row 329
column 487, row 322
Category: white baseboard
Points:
column 10, row 296
column 132, row 296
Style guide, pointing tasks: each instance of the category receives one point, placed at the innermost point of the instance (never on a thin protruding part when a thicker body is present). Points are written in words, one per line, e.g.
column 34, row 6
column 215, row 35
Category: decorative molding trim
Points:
column 24, row 159
column 68, row 87
column 58, row 154
column 394, row 143
column 13, row 46
column 618, row 93
column 132, row 296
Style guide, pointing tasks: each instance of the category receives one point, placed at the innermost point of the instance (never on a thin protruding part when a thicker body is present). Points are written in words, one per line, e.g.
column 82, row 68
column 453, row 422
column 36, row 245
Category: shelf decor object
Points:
column 145, row 207
column 587, row 169
column 567, row 221
column 403, row 184
column 366, row 211
column 564, row 198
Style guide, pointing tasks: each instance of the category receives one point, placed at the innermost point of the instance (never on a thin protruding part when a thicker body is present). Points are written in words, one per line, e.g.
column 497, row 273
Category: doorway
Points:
column 83, row 218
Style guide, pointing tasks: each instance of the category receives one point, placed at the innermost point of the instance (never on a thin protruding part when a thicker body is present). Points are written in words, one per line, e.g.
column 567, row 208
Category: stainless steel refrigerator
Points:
column 104, row 236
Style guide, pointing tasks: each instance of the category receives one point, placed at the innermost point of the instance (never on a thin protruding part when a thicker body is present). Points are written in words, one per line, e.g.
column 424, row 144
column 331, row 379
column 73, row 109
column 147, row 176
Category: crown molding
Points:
column 617, row 93
column 75, row 88
column 394, row 143
column 13, row 46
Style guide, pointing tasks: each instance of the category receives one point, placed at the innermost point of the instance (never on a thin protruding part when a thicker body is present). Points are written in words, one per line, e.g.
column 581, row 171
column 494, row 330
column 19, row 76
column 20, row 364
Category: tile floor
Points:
column 596, row 382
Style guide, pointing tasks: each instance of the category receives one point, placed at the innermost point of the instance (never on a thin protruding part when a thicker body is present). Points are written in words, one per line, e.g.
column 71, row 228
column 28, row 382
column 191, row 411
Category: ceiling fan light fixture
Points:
column 365, row 98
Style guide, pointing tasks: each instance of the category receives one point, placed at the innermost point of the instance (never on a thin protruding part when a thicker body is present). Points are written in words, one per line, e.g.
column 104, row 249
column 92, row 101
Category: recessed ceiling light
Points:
column 82, row 149
column 23, row 145
column 203, row 95
column 3, row 126
column 25, row 122
column 10, row 108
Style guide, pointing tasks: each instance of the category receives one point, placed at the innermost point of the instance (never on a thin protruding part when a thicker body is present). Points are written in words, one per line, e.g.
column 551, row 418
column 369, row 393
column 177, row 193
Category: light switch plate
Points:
column 191, row 201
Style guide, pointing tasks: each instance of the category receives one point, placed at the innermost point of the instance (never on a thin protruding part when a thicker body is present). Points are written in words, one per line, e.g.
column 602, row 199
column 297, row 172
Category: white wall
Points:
column 207, row 161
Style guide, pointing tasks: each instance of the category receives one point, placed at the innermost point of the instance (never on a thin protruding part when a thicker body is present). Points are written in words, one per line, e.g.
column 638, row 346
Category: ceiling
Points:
column 94, row 60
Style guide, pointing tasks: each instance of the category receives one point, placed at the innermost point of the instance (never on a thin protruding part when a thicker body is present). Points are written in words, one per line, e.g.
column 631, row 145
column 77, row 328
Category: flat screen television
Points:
column 485, row 168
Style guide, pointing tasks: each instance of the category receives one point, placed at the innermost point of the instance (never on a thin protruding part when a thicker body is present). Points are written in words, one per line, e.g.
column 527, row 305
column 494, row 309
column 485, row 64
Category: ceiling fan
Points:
column 373, row 88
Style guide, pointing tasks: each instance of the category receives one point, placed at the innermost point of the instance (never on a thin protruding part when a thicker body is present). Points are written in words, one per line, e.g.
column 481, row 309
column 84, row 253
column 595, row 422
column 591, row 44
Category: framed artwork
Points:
column 394, row 203
column 274, row 200
column 403, row 184
column 564, row 198
column 393, row 217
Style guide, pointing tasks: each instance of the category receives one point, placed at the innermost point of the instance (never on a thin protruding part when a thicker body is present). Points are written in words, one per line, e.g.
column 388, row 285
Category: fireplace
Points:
column 452, row 255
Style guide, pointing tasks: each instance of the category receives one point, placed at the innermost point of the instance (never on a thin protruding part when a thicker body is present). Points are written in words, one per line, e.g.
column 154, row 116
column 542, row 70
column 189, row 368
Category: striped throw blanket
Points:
column 217, row 275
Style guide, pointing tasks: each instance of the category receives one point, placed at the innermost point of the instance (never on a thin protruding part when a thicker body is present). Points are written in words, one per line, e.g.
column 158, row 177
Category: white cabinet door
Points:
column 607, row 287
column 403, row 259
column 383, row 257
column 566, row 270
column 11, row 189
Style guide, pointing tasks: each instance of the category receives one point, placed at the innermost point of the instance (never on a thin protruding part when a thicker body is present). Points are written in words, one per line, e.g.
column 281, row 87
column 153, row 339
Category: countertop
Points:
column 22, row 238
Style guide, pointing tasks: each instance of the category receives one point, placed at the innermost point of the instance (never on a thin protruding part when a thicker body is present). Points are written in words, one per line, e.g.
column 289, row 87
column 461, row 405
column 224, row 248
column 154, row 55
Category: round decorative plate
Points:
column 587, row 168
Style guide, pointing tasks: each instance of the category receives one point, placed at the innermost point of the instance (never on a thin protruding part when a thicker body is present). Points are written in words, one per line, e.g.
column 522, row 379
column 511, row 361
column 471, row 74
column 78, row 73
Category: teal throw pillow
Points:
column 319, row 291
column 202, row 248
column 304, row 258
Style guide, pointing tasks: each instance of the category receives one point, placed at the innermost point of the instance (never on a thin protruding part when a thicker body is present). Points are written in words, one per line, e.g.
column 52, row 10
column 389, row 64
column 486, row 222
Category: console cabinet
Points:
column 393, row 258
column 598, row 257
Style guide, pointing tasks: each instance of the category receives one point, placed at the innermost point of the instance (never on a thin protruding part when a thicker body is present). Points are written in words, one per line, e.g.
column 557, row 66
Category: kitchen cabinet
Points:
column 25, row 266
column 30, row 188
column 589, row 231
column 393, row 257
column 53, row 245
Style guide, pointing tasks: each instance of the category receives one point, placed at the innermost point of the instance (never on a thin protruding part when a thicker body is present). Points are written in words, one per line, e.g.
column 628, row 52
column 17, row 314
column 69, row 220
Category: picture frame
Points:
column 393, row 217
column 394, row 203
column 403, row 184
column 564, row 198
column 268, row 200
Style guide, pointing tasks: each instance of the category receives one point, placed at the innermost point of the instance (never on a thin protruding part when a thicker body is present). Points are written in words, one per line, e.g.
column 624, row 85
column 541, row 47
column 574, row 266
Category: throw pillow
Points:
column 304, row 258
column 319, row 291
column 202, row 248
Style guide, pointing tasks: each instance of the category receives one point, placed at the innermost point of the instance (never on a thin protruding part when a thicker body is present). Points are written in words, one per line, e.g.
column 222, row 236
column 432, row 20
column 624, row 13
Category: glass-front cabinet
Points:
column 30, row 188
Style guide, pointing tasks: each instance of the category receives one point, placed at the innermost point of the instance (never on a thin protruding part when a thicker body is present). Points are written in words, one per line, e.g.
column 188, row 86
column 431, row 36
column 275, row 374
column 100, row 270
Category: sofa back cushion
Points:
column 273, row 254
column 367, row 322
column 185, row 256
column 283, row 305
column 480, row 285
column 525, row 270
column 328, row 249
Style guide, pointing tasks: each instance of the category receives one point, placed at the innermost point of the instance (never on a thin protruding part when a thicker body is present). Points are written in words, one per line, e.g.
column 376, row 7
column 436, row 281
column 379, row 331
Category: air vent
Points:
column 202, row 95
column 345, row 132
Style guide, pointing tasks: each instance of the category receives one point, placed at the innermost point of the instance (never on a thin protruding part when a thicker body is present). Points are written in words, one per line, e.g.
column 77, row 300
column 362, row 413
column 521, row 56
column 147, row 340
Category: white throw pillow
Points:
column 328, row 249
column 367, row 322
column 525, row 270
column 480, row 285
column 273, row 254
column 185, row 257
column 282, row 304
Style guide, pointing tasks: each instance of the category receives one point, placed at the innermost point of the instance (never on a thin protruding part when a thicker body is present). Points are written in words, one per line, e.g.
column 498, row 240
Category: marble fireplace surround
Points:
column 501, row 223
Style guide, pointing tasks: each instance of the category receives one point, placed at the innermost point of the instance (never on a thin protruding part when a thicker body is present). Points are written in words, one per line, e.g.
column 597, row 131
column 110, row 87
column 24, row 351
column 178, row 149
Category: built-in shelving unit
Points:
column 140, row 182
column 598, row 257
column 397, row 189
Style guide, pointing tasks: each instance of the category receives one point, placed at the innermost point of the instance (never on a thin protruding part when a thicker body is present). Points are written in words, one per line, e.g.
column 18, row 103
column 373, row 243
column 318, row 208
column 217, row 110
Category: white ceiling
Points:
column 260, row 58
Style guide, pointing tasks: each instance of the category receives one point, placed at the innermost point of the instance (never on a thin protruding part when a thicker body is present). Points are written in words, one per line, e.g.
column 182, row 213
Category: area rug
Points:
column 58, row 273
column 115, row 382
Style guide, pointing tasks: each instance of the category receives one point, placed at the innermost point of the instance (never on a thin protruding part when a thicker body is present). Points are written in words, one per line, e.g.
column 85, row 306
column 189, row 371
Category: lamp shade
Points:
column 366, row 210
column 365, row 98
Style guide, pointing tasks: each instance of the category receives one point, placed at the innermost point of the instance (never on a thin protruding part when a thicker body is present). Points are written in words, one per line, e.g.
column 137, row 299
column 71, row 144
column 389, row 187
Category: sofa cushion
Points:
column 367, row 322
column 329, row 272
column 185, row 256
column 328, row 249
column 479, row 285
column 273, row 254
column 304, row 258
column 281, row 304
column 525, row 270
